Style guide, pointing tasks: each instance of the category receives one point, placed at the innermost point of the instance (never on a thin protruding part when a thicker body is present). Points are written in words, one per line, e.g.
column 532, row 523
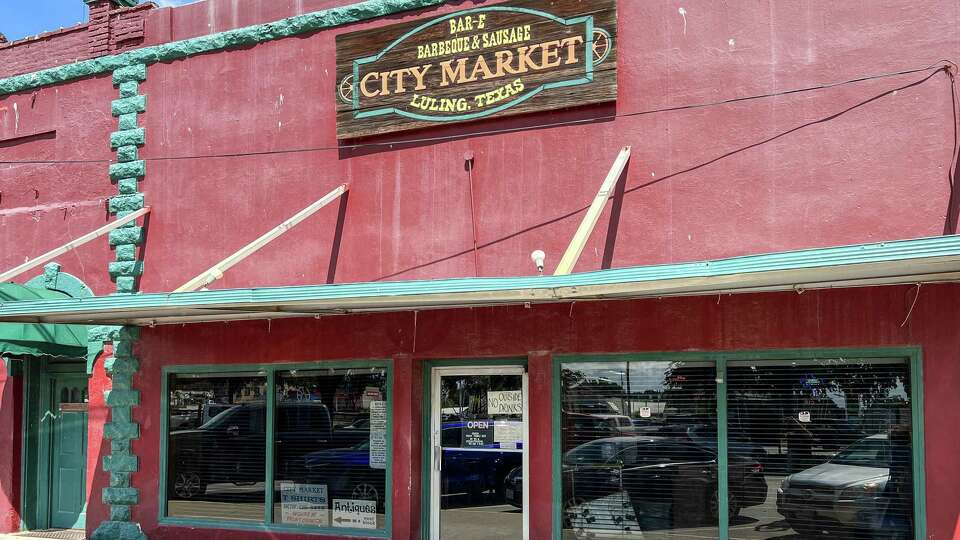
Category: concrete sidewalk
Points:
column 61, row 534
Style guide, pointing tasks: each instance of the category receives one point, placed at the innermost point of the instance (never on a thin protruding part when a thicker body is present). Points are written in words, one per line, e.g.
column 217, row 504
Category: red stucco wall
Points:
column 11, row 439
column 877, row 172
column 45, row 206
column 702, row 184
column 696, row 188
column 844, row 318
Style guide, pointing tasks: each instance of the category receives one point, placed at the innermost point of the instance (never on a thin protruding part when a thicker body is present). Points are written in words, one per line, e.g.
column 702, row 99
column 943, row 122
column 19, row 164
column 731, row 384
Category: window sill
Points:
column 273, row 528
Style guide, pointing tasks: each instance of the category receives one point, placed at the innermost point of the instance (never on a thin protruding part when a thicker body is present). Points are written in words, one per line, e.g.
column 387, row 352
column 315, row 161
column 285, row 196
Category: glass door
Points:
column 478, row 453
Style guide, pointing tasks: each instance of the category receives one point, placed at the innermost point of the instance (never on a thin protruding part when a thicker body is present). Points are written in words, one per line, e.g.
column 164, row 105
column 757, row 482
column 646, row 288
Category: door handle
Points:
column 437, row 461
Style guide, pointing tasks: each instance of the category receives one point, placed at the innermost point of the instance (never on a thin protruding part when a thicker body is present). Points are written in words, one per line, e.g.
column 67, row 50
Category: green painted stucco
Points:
column 127, row 153
column 129, row 134
column 125, row 235
column 125, row 271
column 131, row 65
column 54, row 279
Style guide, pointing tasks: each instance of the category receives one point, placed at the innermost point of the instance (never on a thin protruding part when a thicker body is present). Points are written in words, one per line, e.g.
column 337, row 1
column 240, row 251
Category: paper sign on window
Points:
column 304, row 504
column 509, row 402
column 805, row 416
column 645, row 412
column 378, row 434
column 508, row 434
column 355, row 514
column 370, row 394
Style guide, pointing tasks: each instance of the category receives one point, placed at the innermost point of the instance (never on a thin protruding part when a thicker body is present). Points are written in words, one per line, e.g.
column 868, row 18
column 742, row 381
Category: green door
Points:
column 68, row 503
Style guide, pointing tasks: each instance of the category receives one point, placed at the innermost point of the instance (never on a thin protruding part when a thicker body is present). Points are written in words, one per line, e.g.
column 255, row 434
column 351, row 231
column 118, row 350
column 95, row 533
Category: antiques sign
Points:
column 498, row 60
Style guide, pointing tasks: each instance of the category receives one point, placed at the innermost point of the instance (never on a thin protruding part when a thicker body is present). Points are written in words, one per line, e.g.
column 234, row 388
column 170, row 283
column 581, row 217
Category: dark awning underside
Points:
column 33, row 339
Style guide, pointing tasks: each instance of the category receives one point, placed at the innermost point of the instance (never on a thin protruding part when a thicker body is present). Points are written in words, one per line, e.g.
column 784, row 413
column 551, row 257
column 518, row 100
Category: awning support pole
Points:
column 217, row 270
column 54, row 253
column 572, row 254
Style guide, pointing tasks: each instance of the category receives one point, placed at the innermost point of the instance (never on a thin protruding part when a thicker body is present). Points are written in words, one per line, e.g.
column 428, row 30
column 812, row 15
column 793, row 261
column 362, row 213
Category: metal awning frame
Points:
column 925, row 260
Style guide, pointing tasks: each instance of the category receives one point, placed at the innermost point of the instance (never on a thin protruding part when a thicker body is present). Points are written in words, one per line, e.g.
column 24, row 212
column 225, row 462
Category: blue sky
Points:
column 22, row 18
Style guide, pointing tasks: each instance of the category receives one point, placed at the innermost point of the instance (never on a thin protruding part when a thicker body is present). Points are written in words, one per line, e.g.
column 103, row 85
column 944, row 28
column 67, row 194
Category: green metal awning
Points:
column 35, row 339
column 924, row 260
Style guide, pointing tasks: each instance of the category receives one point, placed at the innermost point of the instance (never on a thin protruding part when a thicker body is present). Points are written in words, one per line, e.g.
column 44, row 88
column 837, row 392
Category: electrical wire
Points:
column 941, row 65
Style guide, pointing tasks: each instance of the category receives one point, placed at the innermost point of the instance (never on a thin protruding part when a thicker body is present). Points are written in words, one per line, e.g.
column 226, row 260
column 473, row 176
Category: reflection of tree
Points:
column 845, row 400
column 589, row 394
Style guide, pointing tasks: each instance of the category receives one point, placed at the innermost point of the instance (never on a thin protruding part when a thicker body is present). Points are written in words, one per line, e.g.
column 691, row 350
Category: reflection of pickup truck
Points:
column 231, row 447
column 652, row 471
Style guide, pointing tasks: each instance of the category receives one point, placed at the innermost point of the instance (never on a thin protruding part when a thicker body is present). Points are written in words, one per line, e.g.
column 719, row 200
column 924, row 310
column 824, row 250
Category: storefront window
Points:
column 331, row 451
column 815, row 448
column 639, row 449
column 834, row 437
column 216, row 446
column 330, row 441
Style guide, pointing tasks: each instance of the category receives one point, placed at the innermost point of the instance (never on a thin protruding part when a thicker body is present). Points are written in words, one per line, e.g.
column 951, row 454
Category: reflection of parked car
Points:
column 347, row 473
column 584, row 427
column 231, row 447
column 652, row 470
column 352, row 434
column 849, row 492
column 833, row 434
column 477, row 469
column 737, row 442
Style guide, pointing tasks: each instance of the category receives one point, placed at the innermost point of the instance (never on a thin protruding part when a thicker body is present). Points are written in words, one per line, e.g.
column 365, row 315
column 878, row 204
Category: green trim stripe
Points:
column 723, row 460
column 131, row 65
column 887, row 252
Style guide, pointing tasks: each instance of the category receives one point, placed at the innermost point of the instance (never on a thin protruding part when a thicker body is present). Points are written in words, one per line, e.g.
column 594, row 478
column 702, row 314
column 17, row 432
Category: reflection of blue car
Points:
column 347, row 473
column 471, row 462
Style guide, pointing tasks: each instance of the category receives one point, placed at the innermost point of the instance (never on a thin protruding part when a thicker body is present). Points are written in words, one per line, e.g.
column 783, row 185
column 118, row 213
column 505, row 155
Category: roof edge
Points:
column 238, row 37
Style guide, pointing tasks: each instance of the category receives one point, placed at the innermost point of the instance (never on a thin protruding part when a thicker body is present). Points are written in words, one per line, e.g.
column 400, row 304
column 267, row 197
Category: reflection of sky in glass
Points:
column 643, row 376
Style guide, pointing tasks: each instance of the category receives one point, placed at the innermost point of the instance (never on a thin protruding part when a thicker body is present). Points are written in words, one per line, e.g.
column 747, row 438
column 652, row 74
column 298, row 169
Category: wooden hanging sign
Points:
column 492, row 61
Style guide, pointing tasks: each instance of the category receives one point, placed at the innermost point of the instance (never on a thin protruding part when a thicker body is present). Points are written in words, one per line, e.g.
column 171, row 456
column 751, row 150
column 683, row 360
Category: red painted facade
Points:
column 853, row 163
column 869, row 317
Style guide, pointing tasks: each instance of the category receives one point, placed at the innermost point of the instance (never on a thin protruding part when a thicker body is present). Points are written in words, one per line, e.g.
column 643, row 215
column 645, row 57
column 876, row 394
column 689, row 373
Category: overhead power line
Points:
column 943, row 65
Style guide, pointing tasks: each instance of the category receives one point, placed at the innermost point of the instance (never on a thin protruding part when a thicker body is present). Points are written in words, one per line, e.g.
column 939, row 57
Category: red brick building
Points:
column 758, row 337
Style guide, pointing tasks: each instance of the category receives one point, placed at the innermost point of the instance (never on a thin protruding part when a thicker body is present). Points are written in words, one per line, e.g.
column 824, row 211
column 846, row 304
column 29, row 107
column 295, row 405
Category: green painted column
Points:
column 127, row 172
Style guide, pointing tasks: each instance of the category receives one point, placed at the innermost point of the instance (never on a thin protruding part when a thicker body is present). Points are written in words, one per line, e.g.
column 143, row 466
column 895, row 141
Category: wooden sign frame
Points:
column 483, row 62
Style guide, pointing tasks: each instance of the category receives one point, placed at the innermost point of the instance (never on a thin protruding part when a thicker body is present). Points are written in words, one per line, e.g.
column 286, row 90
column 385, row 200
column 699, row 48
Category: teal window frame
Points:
column 270, row 372
column 913, row 356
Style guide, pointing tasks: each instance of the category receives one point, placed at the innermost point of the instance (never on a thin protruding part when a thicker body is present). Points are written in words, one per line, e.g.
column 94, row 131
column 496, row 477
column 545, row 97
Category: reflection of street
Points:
column 233, row 502
column 243, row 502
column 762, row 521
column 753, row 523
column 481, row 522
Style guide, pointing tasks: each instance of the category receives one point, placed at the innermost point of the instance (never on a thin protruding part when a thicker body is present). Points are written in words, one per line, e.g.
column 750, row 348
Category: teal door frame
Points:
column 40, row 376
column 426, row 492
